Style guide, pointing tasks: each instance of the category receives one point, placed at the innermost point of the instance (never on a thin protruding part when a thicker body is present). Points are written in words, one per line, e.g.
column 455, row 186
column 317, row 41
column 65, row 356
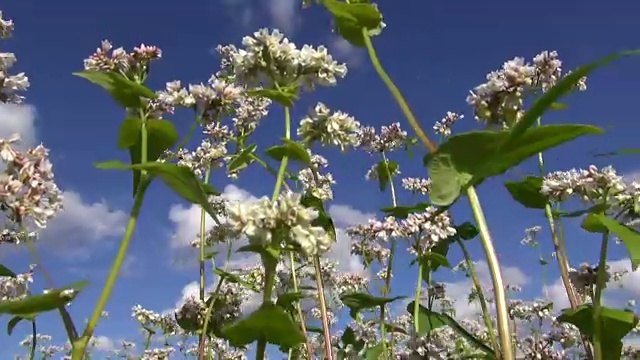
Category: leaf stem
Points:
column 397, row 95
column 601, row 279
column 502, row 313
column 387, row 279
column 481, row 298
column 201, row 263
column 417, row 300
column 80, row 345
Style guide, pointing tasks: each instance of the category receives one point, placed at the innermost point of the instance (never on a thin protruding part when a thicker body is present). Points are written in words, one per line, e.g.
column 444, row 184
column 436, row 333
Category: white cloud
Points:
column 103, row 343
column 18, row 119
column 459, row 291
column 344, row 51
column 283, row 14
column 82, row 227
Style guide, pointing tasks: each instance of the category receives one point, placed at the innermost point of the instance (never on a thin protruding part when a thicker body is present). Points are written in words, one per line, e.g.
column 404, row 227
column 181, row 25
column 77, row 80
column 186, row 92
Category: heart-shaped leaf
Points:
column 126, row 92
column 527, row 192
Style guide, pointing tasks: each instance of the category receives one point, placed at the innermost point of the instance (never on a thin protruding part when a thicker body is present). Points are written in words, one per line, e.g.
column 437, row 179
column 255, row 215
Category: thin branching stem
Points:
column 601, row 279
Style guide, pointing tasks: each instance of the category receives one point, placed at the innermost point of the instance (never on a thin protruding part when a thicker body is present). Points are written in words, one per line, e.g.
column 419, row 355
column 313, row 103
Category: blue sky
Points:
column 435, row 51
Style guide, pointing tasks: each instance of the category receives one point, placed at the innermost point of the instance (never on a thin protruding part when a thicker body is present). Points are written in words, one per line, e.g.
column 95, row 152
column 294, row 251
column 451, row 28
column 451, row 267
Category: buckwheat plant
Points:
column 294, row 296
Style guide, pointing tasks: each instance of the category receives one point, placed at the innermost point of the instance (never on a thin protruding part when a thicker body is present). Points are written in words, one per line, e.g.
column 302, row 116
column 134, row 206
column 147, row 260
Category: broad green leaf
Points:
column 616, row 324
column 349, row 338
column 429, row 320
column 402, row 212
column 285, row 96
column 593, row 224
column 619, row 152
column 527, row 192
column 161, row 136
column 292, row 150
column 563, row 87
column 180, row 179
column 469, row 158
column 126, row 92
column 374, row 352
column 5, row 271
column 36, row 304
column 385, row 171
column 629, row 236
column 129, row 132
column 361, row 301
column 466, row 231
column 323, row 219
column 269, row 322
column 352, row 18
column 233, row 278
column 243, row 159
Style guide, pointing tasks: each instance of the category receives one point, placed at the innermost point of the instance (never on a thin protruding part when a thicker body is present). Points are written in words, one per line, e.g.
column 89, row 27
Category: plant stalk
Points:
column 601, row 279
column 502, row 311
column 483, row 301
column 201, row 263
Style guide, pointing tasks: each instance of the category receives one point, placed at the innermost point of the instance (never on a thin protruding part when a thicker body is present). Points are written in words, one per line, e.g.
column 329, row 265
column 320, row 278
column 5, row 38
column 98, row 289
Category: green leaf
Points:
column 15, row 321
column 629, row 236
column 292, row 150
column 566, row 214
column 286, row 300
column 527, row 192
column 352, row 18
column 285, row 96
column 323, row 219
column 129, row 132
column 361, row 301
column 563, row 87
column 592, row 223
column 374, row 352
column 385, row 171
column 402, row 212
column 349, row 338
column 243, row 159
column 269, row 322
column 615, row 325
column 466, row 231
column 429, row 320
column 180, row 179
column 619, row 152
column 37, row 304
column 126, row 92
column 5, row 271
column 467, row 159
column 432, row 261
column 161, row 136
column 233, row 278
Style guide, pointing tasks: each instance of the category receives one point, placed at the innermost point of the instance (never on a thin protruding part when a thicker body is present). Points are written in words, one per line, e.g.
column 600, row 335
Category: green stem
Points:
column 80, row 345
column 502, row 312
column 285, row 159
column 387, row 279
column 416, row 300
column 597, row 300
column 294, row 278
column 397, row 95
column 483, row 301
column 326, row 327
column 201, row 262
column 147, row 341
column 561, row 255
column 34, row 340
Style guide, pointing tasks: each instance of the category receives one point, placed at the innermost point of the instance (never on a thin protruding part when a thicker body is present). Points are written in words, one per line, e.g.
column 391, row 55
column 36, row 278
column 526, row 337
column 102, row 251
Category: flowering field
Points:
column 295, row 292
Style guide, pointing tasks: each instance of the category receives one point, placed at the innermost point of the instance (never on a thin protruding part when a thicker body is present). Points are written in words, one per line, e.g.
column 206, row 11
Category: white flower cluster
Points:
column 443, row 127
column 318, row 185
column 390, row 138
column 268, row 56
column 10, row 85
column 500, row 100
column 285, row 220
column 337, row 129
